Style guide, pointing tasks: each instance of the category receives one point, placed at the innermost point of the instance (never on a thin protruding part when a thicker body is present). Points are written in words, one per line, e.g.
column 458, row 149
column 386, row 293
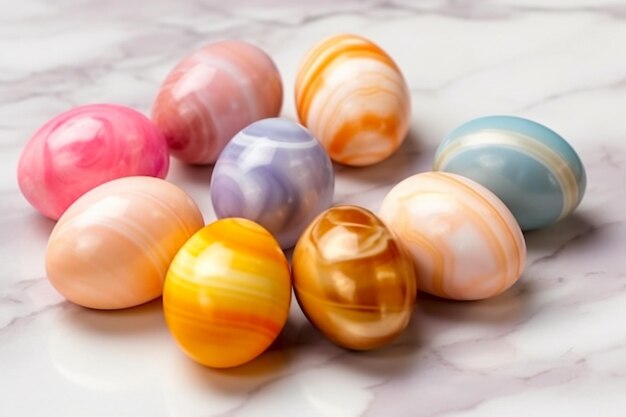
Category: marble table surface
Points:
column 554, row 344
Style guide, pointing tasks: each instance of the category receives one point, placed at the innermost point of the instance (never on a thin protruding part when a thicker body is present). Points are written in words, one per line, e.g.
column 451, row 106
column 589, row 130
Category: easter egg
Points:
column 111, row 249
column 85, row 147
column 275, row 173
column 227, row 293
column 353, row 97
column 353, row 279
column 532, row 169
column 464, row 242
column 213, row 94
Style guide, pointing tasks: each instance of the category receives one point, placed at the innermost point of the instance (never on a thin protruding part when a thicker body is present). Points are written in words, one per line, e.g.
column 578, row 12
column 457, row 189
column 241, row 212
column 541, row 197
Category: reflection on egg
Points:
column 465, row 243
column 227, row 293
column 112, row 248
column 85, row 147
column 213, row 94
column 353, row 279
column 353, row 97
column 275, row 173
column 532, row 169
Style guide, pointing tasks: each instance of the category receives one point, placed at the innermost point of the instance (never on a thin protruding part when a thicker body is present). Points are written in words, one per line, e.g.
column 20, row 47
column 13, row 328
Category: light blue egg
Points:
column 532, row 169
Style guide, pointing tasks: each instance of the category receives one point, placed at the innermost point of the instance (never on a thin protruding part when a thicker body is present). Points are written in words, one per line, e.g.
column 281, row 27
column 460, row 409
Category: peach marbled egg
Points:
column 465, row 243
column 353, row 97
column 353, row 278
column 227, row 293
column 85, row 147
column 112, row 248
column 214, row 93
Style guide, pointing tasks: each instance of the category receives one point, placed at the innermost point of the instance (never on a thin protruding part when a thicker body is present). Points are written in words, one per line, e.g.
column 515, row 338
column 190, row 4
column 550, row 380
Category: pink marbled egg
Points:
column 85, row 147
column 214, row 93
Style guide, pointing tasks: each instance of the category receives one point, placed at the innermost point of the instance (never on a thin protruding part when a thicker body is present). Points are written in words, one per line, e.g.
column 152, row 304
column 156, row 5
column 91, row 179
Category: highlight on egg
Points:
column 464, row 242
column 84, row 147
column 353, row 97
column 353, row 278
column 112, row 248
column 227, row 293
column 275, row 173
column 212, row 94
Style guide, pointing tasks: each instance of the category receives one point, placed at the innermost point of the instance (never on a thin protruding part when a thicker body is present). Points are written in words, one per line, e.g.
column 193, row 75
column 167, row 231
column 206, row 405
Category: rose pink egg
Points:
column 112, row 248
column 214, row 93
column 85, row 147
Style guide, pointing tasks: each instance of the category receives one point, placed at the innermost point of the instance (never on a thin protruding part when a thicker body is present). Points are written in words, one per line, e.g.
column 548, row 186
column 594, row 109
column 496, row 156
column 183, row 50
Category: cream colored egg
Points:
column 112, row 248
column 465, row 243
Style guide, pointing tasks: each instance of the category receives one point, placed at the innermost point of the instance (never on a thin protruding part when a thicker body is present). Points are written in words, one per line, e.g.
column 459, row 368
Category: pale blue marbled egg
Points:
column 532, row 169
column 275, row 173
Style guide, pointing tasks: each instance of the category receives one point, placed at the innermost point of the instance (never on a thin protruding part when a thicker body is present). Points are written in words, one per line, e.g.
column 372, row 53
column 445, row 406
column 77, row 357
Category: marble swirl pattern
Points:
column 227, row 293
column 531, row 168
column 353, row 97
column 112, row 248
column 353, row 278
column 275, row 173
column 84, row 147
column 212, row 94
column 465, row 243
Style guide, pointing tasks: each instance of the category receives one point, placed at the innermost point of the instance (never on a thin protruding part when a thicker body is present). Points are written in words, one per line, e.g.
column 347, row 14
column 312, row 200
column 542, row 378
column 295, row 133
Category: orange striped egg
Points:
column 111, row 249
column 227, row 293
column 353, row 97
column 465, row 243
column 353, row 279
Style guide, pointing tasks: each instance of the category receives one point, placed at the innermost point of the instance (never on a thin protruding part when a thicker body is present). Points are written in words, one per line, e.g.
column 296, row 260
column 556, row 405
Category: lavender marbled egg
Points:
column 275, row 173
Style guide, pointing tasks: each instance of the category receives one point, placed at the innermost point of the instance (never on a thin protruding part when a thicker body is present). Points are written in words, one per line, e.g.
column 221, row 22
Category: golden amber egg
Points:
column 227, row 293
column 353, row 279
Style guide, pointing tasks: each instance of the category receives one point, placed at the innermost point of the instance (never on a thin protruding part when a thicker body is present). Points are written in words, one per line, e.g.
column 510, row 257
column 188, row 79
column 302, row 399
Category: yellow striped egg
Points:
column 353, row 97
column 227, row 293
column 112, row 248
column 465, row 243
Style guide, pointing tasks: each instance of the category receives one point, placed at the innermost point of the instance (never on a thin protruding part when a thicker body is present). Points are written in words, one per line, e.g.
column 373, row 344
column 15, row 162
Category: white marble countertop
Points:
column 555, row 344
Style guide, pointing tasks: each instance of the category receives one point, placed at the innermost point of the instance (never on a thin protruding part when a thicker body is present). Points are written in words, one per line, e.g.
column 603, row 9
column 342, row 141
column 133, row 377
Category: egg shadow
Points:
column 39, row 226
column 397, row 359
column 145, row 318
column 182, row 173
column 510, row 307
column 239, row 379
column 576, row 229
column 367, row 186
column 387, row 361
column 408, row 159
column 196, row 181
column 242, row 379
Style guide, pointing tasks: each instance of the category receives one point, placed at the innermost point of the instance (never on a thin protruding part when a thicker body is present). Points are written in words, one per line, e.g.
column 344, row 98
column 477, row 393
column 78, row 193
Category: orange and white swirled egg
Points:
column 227, row 293
column 112, row 248
column 353, row 97
column 465, row 243
column 353, row 278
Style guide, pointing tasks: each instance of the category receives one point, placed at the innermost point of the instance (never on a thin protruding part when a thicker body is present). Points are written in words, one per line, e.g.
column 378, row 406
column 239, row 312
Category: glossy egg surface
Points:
column 465, row 243
column 112, row 248
column 85, row 147
column 353, row 279
column 227, row 293
column 275, row 173
column 531, row 168
column 214, row 93
column 353, row 97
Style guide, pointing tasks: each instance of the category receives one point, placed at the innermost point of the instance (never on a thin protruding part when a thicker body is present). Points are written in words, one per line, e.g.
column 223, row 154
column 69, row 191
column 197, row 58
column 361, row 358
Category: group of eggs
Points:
column 125, row 236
